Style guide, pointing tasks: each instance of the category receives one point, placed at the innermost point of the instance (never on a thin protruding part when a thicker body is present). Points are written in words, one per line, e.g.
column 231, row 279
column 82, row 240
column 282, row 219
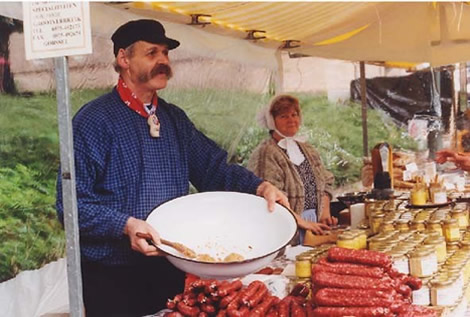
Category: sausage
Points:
column 325, row 279
column 373, row 258
column 349, row 269
column 202, row 299
column 267, row 271
column 251, row 289
column 199, row 284
column 284, row 307
column 257, row 297
column 352, row 297
column 351, row 311
column 300, row 289
column 171, row 303
column 235, row 303
column 229, row 288
column 202, row 314
column 262, row 308
column 228, row 299
column 297, row 310
column 242, row 312
column 208, row 308
column 191, row 311
column 221, row 313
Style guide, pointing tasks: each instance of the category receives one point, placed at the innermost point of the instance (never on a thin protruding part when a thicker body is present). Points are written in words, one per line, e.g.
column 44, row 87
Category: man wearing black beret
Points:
column 135, row 151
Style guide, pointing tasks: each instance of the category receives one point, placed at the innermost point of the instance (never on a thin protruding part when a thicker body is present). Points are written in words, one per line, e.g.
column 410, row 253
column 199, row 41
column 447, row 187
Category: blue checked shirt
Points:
column 122, row 171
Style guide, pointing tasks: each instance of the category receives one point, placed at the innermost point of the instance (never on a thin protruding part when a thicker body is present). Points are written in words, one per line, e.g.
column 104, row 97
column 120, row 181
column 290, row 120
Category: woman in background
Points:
column 292, row 165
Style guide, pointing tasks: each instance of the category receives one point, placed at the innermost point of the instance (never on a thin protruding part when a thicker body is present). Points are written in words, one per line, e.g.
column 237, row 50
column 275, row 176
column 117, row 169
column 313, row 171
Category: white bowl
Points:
column 219, row 223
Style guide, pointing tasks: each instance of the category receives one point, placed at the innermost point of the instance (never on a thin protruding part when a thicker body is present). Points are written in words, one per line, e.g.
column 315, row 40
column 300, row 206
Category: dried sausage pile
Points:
column 362, row 283
column 223, row 298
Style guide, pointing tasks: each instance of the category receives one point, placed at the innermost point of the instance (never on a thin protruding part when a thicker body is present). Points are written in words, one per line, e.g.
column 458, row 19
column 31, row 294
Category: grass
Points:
column 29, row 154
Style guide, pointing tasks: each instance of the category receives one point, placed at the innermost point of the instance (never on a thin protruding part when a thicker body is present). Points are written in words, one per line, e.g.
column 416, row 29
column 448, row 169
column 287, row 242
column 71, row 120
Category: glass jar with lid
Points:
column 443, row 292
column 422, row 296
column 402, row 225
column 439, row 244
column 303, row 266
column 387, row 226
column 452, row 246
column 361, row 236
column 400, row 261
column 347, row 240
column 461, row 216
column 434, row 225
column 451, row 230
column 376, row 220
column 423, row 263
column 417, row 225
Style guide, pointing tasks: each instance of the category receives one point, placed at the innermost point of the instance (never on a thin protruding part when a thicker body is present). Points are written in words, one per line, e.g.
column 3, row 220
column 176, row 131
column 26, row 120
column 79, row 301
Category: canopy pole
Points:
column 365, row 145
column 69, row 195
column 279, row 76
column 463, row 102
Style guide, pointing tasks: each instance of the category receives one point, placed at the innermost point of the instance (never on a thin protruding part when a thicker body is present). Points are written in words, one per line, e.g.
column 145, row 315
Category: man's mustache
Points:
column 161, row 69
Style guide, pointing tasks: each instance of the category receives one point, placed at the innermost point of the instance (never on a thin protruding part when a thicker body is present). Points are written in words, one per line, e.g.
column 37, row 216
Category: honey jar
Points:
column 439, row 244
column 387, row 226
column 461, row 217
column 434, row 225
column 418, row 196
column 402, row 225
column 423, row 263
column 376, row 221
column 303, row 266
column 417, row 225
column 451, row 230
column 347, row 240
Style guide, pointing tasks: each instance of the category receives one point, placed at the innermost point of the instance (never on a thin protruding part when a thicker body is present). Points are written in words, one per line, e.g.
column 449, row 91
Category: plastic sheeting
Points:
column 403, row 97
column 36, row 293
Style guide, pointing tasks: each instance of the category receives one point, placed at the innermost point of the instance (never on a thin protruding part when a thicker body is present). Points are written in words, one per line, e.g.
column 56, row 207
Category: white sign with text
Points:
column 53, row 29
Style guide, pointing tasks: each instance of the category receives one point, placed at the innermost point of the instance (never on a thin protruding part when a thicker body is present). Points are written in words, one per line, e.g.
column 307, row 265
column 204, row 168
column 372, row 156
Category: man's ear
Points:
column 121, row 59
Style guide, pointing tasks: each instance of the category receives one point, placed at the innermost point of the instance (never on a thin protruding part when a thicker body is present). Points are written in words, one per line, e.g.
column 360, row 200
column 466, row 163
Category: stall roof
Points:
column 413, row 32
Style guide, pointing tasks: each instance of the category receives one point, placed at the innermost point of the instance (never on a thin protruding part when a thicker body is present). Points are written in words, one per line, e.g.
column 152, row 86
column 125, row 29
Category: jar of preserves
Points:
column 402, row 225
column 347, row 240
column 387, row 226
column 417, row 225
column 451, row 230
column 452, row 246
column 418, row 196
column 361, row 236
column 303, row 266
column 375, row 242
column 441, row 292
column 434, row 225
column 422, row 296
column 400, row 262
column 423, row 263
column 375, row 222
column 439, row 244
column 461, row 217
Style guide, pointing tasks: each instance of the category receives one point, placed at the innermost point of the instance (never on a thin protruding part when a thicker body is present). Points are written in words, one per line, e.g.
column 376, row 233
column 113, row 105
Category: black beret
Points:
column 141, row 30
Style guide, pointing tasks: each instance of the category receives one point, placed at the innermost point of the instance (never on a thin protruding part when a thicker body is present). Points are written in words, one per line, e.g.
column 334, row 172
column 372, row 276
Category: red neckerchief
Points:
column 131, row 100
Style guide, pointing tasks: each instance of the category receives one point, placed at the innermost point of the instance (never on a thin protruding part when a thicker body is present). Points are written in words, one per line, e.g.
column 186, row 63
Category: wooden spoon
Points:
column 175, row 245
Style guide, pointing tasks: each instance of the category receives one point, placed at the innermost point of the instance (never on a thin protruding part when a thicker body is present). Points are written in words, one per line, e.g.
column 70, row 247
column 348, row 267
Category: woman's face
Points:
column 288, row 122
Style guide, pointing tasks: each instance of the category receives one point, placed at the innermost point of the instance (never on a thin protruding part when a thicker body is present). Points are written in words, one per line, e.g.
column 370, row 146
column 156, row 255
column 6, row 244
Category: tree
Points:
column 7, row 27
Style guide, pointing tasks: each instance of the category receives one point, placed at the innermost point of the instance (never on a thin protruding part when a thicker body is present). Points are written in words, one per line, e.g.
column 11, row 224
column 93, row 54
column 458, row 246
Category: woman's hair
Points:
column 282, row 103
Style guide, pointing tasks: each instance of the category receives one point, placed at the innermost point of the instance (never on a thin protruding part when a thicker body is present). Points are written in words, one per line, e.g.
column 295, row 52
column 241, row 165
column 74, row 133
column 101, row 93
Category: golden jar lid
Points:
column 420, row 253
column 450, row 221
column 434, row 240
column 303, row 257
column 346, row 236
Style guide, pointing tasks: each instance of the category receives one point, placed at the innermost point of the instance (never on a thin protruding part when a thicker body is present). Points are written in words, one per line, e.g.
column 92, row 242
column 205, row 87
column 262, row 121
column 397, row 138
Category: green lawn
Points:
column 30, row 234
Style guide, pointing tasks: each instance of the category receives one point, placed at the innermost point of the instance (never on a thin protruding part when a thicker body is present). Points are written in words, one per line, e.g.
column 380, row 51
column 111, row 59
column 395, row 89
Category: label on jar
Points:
column 443, row 296
column 401, row 265
column 429, row 265
column 440, row 197
column 421, row 296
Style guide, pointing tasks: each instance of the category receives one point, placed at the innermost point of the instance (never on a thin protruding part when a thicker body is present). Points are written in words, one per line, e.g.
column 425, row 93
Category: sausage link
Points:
column 352, row 298
column 202, row 314
column 340, row 268
column 297, row 310
column 300, row 289
column 251, row 289
column 325, row 279
column 191, row 311
column 174, row 314
column 222, row 313
column 373, row 258
column 262, row 308
column 229, row 288
column 351, row 311
column 242, row 312
column 284, row 307
column 257, row 297
column 228, row 299
column 207, row 308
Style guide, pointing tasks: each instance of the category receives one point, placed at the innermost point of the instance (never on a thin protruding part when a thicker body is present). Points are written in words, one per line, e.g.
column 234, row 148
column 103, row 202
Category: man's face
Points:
column 149, row 65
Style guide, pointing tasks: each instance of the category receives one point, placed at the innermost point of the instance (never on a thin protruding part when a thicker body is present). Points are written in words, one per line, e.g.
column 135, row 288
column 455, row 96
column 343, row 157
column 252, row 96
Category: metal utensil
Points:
column 175, row 245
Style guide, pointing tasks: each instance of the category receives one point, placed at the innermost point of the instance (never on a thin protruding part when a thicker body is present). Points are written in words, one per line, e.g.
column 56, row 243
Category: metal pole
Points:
column 365, row 145
column 463, row 102
column 69, row 194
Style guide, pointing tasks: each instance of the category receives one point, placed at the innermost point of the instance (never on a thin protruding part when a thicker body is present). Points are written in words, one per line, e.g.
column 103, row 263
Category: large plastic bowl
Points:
column 219, row 223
